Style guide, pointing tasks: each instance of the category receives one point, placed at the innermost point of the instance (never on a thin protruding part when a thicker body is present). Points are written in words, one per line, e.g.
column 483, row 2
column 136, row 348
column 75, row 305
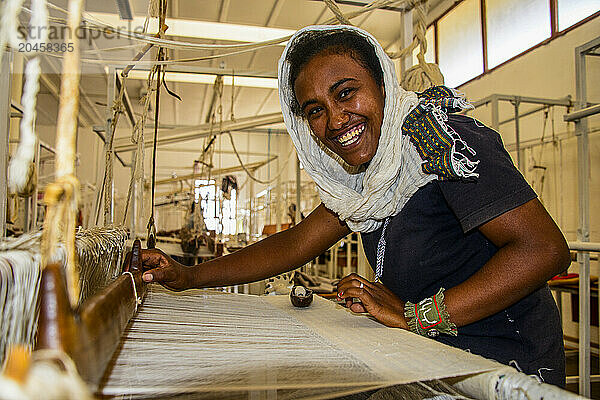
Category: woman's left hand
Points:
column 375, row 298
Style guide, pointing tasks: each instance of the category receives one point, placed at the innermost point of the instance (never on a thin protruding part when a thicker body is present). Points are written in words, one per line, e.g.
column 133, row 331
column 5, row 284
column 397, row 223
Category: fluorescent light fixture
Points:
column 197, row 29
column 209, row 79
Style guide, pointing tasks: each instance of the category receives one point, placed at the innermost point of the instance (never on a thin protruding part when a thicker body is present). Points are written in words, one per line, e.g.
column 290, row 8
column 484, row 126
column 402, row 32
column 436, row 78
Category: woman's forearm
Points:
column 531, row 251
column 274, row 255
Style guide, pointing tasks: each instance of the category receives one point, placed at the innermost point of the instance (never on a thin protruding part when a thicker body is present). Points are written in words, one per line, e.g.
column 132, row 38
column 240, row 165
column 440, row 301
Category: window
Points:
column 430, row 54
column 460, row 44
column 513, row 26
column 213, row 205
column 572, row 11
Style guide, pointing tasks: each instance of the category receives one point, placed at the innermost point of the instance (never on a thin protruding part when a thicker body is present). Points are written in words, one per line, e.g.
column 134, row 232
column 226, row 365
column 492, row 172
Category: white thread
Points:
column 137, row 299
column 99, row 258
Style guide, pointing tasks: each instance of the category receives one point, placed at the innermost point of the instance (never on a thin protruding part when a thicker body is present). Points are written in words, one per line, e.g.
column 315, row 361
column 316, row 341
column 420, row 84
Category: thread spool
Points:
column 301, row 296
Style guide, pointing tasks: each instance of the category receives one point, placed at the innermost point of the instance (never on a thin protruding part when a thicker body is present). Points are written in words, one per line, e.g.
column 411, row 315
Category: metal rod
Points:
column 5, row 90
column 584, row 112
column 108, row 168
column 583, row 234
column 99, row 131
column 298, row 190
column 217, row 172
column 575, row 379
column 526, row 113
column 125, row 100
column 584, row 246
column 516, row 104
column 524, row 99
column 203, row 130
column 495, row 118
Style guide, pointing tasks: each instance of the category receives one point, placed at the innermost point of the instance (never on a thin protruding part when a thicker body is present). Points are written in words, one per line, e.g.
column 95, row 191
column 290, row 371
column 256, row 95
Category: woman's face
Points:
column 343, row 105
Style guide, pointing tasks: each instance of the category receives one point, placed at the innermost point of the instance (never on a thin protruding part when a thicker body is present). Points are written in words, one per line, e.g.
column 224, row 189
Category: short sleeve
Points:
column 500, row 186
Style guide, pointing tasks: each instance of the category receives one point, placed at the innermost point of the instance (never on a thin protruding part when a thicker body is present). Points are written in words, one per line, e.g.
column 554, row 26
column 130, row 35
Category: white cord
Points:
column 138, row 300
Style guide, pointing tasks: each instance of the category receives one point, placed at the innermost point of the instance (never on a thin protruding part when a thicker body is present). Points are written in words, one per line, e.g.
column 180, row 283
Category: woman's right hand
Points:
column 162, row 269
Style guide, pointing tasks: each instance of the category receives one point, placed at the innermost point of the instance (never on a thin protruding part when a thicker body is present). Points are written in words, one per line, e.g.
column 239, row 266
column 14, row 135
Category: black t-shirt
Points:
column 434, row 242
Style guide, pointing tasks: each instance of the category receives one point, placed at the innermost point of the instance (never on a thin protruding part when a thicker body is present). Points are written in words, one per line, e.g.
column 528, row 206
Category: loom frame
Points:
column 90, row 334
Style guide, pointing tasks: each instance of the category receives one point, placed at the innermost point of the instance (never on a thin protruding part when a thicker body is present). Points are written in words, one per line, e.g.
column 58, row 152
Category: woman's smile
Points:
column 351, row 135
column 342, row 104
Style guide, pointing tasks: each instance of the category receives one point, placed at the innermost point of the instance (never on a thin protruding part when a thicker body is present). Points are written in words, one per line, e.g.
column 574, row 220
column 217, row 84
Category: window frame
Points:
column 554, row 33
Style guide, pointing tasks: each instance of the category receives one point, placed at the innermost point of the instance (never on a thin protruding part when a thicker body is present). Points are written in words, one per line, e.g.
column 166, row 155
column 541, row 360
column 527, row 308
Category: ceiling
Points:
column 197, row 100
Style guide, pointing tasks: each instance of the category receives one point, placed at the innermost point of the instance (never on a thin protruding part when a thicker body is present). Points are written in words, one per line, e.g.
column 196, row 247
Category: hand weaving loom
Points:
column 204, row 344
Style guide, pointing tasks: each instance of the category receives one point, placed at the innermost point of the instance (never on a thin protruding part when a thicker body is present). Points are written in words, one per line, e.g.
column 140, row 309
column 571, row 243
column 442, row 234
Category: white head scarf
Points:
column 363, row 198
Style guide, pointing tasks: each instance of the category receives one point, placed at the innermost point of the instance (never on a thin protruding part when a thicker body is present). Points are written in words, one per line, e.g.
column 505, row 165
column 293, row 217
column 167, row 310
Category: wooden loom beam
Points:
column 91, row 334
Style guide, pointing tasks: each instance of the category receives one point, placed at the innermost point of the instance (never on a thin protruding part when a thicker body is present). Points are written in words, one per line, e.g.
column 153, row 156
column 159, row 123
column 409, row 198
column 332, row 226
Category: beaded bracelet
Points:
column 429, row 317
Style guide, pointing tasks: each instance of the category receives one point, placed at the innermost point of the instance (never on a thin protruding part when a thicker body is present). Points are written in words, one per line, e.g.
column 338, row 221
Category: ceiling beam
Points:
column 198, row 151
column 217, row 172
column 224, row 10
column 203, row 130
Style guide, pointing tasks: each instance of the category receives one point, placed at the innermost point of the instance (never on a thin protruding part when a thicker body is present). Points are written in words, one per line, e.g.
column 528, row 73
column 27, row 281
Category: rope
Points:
column 91, row 24
column 151, row 227
column 423, row 75
column 61, row 197
column 137, row 137
column 8, row 24
column 252, row 177
column 21, row 173
column 337, row 12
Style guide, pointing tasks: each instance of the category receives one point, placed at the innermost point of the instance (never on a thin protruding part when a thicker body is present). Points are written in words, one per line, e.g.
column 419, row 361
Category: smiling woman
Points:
column 436, row 198
column 343, row 105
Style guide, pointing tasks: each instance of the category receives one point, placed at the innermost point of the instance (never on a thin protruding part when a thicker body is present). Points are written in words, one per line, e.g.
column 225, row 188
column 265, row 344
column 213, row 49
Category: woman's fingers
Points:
column 350, row 281
column 152, row 258
column 361, row 293
column 375, row 299
column 160, row 275
column 357, row 307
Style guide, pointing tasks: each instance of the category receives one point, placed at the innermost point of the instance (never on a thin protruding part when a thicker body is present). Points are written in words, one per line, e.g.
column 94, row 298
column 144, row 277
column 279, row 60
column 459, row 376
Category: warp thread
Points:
column 99, row 253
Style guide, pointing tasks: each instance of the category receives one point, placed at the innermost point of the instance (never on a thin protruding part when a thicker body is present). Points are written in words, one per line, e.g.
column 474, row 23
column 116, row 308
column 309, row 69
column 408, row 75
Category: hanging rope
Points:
column 232, row 116
column 337, row 12
column 92, row 24
column 151, row 227
column 423, row 75
column 61, row 197
column 249, row 173
column 8, row 24
column 137, row 138
column 21, row 170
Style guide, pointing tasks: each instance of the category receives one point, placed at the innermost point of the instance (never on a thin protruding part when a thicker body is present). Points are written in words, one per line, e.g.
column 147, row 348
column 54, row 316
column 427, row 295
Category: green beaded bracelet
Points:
column 429, row 317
